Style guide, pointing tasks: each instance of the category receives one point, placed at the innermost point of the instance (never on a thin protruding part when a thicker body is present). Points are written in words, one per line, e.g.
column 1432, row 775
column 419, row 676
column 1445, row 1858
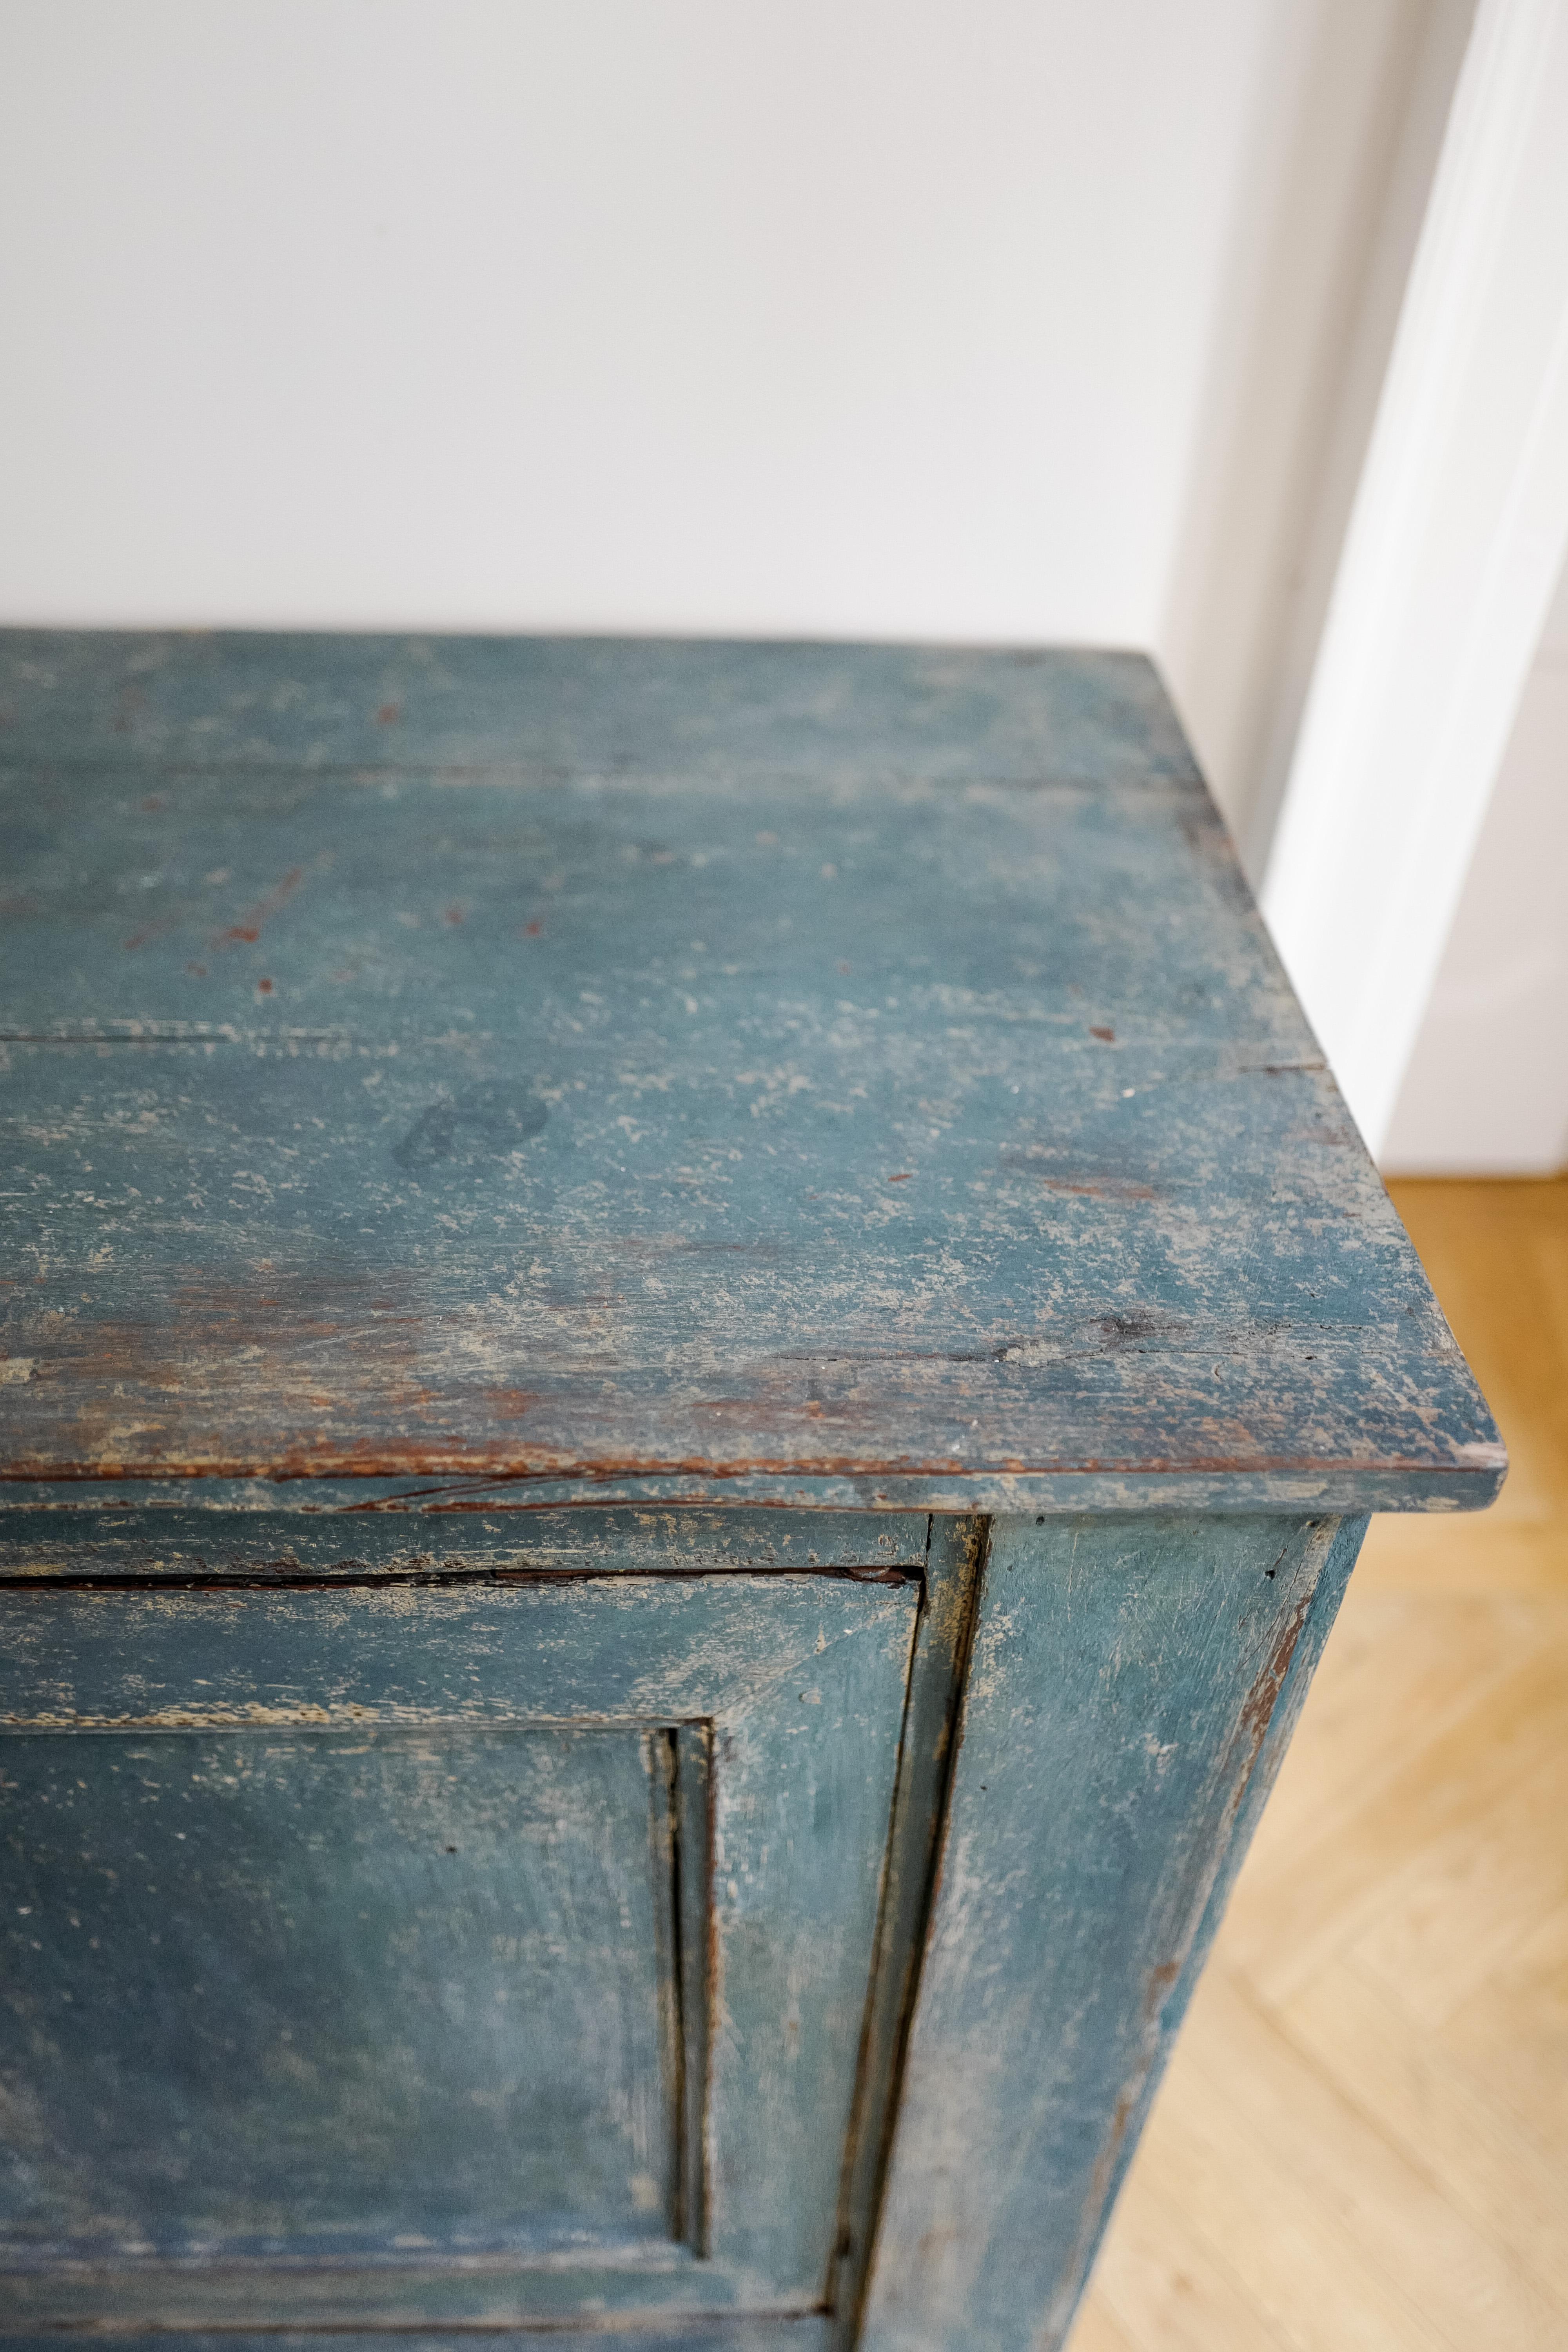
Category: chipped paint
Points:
column 897, row 1108
column 1036, row 1192
column 1126, row 1685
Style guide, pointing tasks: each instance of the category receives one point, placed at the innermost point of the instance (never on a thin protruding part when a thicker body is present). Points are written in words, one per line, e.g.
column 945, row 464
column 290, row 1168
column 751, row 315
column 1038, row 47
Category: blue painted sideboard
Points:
column 693, row 1354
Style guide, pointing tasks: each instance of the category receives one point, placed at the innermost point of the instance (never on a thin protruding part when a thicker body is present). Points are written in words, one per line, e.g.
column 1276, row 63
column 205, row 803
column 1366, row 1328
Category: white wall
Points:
column 971, row 319
column 1486, row 1088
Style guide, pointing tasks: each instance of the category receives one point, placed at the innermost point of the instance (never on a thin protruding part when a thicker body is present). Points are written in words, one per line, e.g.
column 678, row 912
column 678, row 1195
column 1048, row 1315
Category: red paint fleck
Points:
column 511, row 1405
column 453, row 915
column 1106, row 1036
column 389, row 715
column 264, row 987
column 907, row 1178
column 844, row 968
column 248, row 929
column 1158, row 1986
column 197, row 970
column 153, row 802
column 532, row 930
column 153, row 930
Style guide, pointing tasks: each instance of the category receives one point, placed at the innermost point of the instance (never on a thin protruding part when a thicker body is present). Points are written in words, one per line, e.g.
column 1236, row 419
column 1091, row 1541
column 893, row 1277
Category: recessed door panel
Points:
column 485, row 1955
column 337, row 1991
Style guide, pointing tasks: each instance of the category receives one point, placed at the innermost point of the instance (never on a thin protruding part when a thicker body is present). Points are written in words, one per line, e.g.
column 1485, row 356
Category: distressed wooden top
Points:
column 567, row 1069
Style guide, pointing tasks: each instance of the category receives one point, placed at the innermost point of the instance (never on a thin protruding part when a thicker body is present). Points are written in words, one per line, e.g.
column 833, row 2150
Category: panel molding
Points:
column 802, row 1682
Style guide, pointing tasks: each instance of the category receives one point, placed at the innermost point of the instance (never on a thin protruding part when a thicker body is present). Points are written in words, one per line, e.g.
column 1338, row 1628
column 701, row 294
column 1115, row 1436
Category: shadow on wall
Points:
column 1310, row 299
column 1486, row 1088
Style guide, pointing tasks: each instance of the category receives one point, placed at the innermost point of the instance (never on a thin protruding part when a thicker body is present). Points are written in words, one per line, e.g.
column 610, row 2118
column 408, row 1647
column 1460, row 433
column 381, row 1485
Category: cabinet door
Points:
column 420, row 1954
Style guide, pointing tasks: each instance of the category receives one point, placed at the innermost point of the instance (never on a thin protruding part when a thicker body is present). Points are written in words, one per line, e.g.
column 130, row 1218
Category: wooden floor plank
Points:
column 1289, row 2253
column 1466, row 1902
column 1464, row 1556
column 1168, row 2289
column 1097, row 2331
column 1391, row 2207
column 1497, row 1255
column 1511, row 2181
column 1514, row 2030
column 1398, row 1670
column 1295, row 1912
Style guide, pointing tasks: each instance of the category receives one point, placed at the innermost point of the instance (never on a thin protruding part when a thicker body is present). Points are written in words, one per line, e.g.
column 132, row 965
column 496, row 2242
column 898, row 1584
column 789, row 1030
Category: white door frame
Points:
column 1457, row 533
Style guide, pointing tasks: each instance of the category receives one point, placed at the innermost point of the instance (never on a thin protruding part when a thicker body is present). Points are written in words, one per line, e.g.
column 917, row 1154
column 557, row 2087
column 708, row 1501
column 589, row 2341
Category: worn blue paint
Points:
column 593, row 705
column 406, row 1982
column 788, row 1073
column 333, row 1944
column 931, row 1711
column 803, row 2332
column 1124, row 1678
column 187, row 1533
column 1289, row 1691
column 534, row 1166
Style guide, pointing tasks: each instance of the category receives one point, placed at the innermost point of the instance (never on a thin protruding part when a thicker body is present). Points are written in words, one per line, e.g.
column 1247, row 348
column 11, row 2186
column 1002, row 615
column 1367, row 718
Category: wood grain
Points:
column 445, row 1082
column 1123, row 1679
column 202, row 1531
column 847, row 1075
column 785, row 2333
column 274, row 1788
column 942, row 1636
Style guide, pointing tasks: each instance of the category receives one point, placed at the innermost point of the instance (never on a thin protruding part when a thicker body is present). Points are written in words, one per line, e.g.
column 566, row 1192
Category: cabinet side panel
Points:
column 1124, row 1680
column 1332, row 1579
